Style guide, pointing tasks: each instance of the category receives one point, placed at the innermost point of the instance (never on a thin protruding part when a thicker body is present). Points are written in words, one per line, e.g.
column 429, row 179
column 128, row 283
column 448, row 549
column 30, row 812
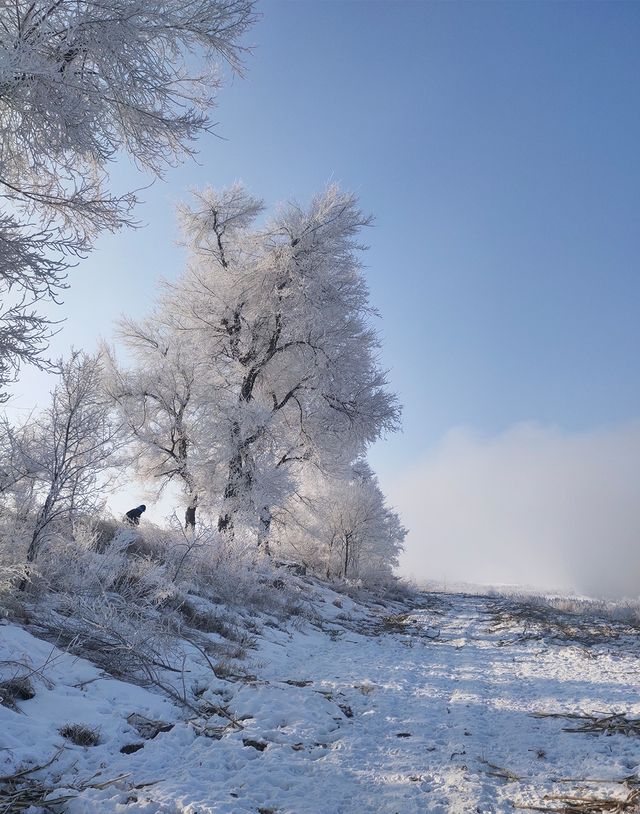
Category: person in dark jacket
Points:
column 133, row 515
column 190, row 518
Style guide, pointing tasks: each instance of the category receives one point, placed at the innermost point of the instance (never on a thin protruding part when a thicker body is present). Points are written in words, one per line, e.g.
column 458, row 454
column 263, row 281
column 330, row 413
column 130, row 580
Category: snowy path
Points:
column 383, row 722
column 427, row 714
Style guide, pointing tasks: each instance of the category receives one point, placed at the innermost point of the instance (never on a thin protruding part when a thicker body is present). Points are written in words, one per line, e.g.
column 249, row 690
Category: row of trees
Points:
column 254, row 384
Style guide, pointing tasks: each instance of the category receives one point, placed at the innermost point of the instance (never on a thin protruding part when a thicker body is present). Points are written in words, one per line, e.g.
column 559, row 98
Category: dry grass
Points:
column 498, row 771
column 537, row 620
column 207, row 621
column 401, row 623
column 396, row 623
column 600, row 724
column 233, row 672
column 21, row 792
column 570, row 804
column 80, row 734
column 16, row 689
column 576, row 803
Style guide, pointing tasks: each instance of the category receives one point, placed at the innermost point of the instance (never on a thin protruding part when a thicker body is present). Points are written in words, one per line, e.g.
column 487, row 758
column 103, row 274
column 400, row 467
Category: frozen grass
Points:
column 177, row 616
column 588, row 623
column 626, row 611
column 22, row 792
column 208, row 621
column 574, row 804
column 16, row 689
column 80, row 735
column 142, row 603
column 606, row 724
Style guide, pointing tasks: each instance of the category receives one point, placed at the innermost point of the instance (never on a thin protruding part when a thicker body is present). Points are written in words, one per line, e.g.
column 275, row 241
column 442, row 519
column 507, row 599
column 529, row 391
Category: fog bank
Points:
column 533, row 505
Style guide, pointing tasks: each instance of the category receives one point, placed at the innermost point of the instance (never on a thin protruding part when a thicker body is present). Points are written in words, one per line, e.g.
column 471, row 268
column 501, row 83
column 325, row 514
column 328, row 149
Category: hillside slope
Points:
column 369, row 707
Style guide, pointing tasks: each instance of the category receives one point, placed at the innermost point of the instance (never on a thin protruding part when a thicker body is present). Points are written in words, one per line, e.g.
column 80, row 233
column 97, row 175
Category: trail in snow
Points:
column 430, row 715
column 358, row 718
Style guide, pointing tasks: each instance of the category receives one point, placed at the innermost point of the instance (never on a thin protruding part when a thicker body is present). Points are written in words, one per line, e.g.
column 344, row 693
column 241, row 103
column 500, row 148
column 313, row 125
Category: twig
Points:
column 498, row 771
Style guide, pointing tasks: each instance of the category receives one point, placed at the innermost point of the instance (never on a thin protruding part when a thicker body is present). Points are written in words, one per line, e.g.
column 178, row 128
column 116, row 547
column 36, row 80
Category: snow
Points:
column 340, row 714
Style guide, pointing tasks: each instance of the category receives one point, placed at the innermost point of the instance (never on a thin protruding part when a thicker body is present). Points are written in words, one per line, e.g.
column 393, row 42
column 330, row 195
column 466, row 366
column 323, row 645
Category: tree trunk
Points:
column 347, row 552
column 34, row 545
column 239, row 481
column 190, row 518
column 330, row 555
column 231, row 491
column 225, row 524
column 41, row 523
column 264, row 527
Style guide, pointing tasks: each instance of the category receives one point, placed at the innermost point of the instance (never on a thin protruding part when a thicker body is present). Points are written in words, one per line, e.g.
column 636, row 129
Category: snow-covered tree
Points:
column 29, row 272
column 17, row 484
column 82, row 81
column 161, row 399
column 341, row 526
column 281, row 316
column 64, row 452
column 363, row 536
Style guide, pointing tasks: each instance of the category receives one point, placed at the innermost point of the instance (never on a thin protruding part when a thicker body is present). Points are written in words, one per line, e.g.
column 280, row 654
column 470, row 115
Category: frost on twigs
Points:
column 141, row 613
column 56, row 465
column 81, row 83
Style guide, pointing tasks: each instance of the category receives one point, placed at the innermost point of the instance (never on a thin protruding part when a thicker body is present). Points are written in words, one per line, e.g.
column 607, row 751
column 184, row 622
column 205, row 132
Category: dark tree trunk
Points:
column 239, row 481
column 231, row 491
column 42, row 521
column 190, row 514
column 330, row 556
column 34, row 546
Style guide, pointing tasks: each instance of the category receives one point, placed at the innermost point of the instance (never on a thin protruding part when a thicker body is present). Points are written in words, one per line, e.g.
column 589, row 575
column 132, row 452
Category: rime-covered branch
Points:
column 82, row 81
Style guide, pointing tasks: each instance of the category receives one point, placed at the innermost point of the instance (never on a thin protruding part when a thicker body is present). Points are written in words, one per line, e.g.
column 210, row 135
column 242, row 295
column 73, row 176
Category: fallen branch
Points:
column 499, row 771
column 19, row 792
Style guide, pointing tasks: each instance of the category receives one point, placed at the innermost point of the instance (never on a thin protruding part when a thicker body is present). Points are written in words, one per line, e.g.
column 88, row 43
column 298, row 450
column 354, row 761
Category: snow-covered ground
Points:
column 358, row 710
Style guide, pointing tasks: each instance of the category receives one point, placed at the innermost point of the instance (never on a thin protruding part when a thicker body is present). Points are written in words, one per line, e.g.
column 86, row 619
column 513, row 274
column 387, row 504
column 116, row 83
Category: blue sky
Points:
column 496, row 144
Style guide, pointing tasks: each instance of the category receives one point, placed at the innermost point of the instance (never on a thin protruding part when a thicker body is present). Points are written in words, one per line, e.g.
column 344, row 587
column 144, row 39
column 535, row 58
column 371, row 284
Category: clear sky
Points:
column 498, row 147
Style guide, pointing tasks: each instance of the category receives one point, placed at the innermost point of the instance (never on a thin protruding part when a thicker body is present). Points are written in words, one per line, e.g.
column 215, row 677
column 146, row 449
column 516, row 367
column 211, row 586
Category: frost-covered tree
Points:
column 162, row 400
column 341, row 525
column 28, row 273
column 17, row 484
column 82, row 81
column 363, row 536
column 66, row 451
column 281, row 316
